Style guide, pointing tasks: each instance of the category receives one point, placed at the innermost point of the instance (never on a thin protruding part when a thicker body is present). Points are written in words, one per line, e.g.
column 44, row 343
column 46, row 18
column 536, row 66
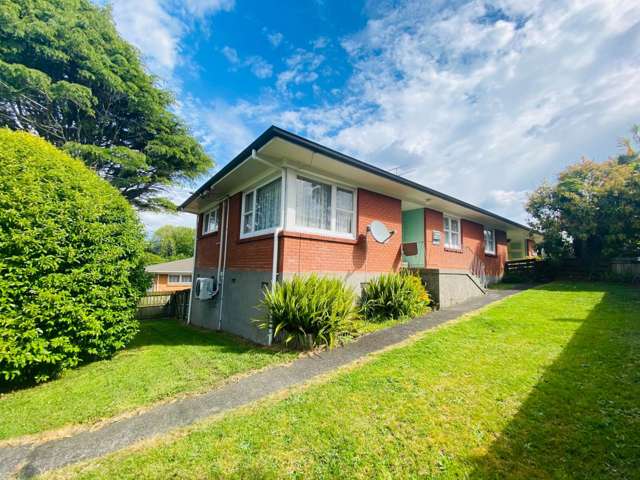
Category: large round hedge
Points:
column 71, row 267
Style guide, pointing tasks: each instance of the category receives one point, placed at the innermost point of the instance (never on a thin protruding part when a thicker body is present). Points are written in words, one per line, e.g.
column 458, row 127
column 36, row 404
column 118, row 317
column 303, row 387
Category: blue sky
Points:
column 481, row 100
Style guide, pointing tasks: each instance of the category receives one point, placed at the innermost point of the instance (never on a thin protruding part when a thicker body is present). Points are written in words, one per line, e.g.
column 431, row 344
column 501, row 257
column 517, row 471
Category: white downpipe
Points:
column 225, row 206
column 224, row 266
column 193, row 274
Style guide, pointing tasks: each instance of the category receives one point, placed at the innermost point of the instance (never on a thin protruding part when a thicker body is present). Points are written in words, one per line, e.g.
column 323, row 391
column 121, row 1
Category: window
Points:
column 324, row 206
column 175, row 278
column 313, row 204
column 261, row 208
column 451, row 232
column 210, row 221
column 489, row 241
column 345, row 214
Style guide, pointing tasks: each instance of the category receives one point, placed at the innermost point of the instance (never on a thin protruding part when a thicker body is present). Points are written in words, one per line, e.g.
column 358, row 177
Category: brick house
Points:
column 286, row 206
column 171, row 276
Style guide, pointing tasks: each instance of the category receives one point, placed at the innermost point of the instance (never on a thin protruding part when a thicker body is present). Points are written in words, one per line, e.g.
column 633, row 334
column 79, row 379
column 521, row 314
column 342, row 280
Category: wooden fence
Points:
column 164, row 304
column 622, row 269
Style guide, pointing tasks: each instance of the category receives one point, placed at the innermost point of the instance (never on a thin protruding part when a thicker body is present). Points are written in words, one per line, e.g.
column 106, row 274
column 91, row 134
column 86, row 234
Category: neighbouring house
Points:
column 171, row 276
column 287, row 206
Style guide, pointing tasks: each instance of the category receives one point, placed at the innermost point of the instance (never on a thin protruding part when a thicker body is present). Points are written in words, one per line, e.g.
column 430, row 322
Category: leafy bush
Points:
column 394, row 295
column 310, row 311
column 71, row 268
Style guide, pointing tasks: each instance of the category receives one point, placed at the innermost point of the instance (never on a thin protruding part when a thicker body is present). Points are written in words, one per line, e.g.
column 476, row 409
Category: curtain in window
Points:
column 313, row 204
column 248, row 213
column 268, row 206
column 451, row 232
column 344, row 211
column 489, row 241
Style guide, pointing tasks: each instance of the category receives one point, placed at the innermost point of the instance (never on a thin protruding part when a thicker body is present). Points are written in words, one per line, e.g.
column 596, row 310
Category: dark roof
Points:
column 273, row 132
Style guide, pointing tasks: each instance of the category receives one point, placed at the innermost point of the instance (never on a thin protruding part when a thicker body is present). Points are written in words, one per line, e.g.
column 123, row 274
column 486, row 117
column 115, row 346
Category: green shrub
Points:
column 71, row 268
column 310, row 311
column 394, row 295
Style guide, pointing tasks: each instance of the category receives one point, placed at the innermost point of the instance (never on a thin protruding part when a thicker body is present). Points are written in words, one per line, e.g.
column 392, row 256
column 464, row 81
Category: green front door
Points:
column 413, row 231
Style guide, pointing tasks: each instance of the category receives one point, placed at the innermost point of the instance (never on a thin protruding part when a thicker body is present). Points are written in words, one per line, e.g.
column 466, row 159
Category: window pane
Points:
column 248, row 202
column 455, row 225
column 455, row 239
column 213, row 221
column 205, row 223
column 344, row 199
column 344, row 221
column 248, row 223
column 268, row 205
column 447, row 226
column 186, row 278
column 447, row 238
column 313, row 204
column 174, row 278
column 489, row 241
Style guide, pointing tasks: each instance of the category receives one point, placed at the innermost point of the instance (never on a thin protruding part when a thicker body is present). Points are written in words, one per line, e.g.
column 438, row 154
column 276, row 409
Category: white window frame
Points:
column 332, row 232
column 444, row 229
column 245, row 193
column 205, row 220
column 493, row 235
column 181, row 279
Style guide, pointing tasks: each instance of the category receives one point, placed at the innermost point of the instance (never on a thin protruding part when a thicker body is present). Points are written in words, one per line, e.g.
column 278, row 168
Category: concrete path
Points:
column 28, row 460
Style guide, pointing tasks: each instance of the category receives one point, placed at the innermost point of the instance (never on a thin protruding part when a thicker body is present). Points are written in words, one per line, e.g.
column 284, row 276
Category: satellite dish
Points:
column 379, row 231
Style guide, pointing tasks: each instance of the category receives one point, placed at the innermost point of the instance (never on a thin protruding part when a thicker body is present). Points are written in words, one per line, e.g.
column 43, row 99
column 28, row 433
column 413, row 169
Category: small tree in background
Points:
column 593, row 211
column 172, row 243
column 66, row 74
column 71, row 269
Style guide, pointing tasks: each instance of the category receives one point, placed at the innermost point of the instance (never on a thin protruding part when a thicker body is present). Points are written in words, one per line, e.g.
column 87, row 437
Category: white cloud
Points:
column 156, row 27
column 301, row 68
column 231, row 54
column 486, row 108
column 148, row 26
column 258, row 65
column 320, row 42
column 480, row 102
column 200, row 8
column 275, row 38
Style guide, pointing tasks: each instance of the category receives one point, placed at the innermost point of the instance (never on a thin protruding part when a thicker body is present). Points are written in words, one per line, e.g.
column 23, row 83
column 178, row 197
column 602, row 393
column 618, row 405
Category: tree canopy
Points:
column 67, row 75
column 172, row 243
column 593, row 211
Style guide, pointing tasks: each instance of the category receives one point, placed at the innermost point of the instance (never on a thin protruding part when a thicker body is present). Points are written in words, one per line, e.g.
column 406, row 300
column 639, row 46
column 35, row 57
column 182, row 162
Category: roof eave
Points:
column 274, row 131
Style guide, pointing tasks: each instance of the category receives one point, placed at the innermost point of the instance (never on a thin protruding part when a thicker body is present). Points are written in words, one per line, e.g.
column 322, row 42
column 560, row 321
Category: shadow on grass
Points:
column 171, row 332
column 582, row 419
column 167, row 332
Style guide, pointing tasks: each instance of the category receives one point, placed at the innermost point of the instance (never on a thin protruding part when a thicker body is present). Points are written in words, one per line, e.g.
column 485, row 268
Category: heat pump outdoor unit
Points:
column 204, row 288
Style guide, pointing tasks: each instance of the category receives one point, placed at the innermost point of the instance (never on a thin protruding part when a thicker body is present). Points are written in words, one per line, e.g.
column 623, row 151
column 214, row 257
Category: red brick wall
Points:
column 312, row 253
column 437, row 256
column 253, row 254
column 250, row 254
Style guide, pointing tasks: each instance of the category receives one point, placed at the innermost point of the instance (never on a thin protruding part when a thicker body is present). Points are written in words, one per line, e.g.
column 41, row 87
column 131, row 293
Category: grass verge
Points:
column 164, row 360
column 541, row 385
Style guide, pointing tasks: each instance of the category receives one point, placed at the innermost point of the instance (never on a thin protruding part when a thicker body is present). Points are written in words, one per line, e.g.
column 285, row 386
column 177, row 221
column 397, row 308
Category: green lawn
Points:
column 545, row 384
column 164, row 360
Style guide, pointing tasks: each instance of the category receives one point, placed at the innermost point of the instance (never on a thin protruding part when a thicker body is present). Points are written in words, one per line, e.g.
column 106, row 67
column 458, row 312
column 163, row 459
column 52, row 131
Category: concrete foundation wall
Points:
column 242, row 296
column 449, row 287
